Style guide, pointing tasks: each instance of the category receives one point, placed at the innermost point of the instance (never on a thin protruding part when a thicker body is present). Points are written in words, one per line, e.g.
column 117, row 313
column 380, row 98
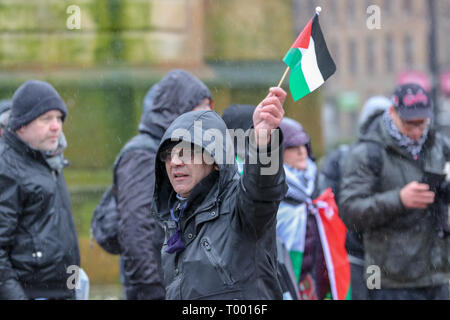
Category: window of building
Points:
column 311, row 7
column 334, row 51
column 408, row 6
column 351, row 9
column 352, row 58
column 389, row 52
column 370, row 52
column 334, row 10
column 409, row 50
column 387, row 6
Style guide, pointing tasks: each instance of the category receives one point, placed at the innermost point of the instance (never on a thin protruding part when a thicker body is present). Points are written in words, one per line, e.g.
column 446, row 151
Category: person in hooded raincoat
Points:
column 140, row 236
column 220, row 228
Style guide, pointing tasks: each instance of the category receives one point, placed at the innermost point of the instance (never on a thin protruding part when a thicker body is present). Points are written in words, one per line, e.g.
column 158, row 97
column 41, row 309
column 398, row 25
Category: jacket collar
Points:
column 380, row 135
column 23, row 148
column 393, row 145
column 200, row 195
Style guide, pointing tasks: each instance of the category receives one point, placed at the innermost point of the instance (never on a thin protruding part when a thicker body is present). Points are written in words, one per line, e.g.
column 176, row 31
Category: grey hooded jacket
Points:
column 404, row 243
column 230, row 233
column 140, row 237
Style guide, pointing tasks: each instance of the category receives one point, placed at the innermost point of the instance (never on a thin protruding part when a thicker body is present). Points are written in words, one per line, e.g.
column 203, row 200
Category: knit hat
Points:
column 412, row 102
column 32, row 99
column 294, row 135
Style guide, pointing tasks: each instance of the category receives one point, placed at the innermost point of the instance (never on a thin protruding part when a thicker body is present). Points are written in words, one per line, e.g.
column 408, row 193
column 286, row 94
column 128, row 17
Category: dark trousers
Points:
column 358, row 282
column 426, row 293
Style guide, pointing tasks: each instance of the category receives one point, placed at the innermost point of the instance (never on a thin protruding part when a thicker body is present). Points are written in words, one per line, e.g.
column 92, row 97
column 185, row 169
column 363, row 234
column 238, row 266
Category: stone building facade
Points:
column 373, row 43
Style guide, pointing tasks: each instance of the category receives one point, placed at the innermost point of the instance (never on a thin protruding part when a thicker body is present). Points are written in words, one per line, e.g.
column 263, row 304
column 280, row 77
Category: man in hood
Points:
column 140, row 236
column 220, row 228
column 387, row 195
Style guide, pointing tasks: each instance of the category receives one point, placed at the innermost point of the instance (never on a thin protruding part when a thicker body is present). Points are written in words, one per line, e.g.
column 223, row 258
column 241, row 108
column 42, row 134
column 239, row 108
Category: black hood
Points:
column 178, row 92
column 196, row 127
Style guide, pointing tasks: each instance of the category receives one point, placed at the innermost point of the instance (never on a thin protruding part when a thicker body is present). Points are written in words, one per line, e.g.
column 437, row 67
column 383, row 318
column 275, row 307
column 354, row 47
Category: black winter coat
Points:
column 38, row 241
column 229, row 230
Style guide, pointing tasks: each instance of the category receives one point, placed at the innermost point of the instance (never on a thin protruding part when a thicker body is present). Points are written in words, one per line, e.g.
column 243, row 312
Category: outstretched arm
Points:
column 268, row 115
column 262, row 186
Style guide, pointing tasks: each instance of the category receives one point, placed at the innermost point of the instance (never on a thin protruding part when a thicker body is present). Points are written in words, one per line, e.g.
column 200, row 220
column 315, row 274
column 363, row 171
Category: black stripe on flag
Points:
column 326, row 64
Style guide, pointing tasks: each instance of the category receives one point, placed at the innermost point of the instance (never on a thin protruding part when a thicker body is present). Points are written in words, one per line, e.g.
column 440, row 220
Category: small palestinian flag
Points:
column 309, row 60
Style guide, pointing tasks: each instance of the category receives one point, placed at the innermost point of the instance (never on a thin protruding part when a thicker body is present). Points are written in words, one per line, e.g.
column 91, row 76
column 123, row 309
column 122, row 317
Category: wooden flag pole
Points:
column 284, row 76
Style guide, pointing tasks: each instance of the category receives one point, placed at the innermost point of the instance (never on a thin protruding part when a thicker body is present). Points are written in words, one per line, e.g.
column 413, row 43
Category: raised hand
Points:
column 268, row 115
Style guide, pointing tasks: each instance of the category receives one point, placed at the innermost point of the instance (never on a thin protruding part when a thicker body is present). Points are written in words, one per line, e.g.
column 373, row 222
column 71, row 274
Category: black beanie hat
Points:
column 32, row 99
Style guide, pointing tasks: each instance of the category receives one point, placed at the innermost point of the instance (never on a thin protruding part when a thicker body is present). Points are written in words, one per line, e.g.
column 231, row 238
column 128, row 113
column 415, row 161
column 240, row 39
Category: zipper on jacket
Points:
column 215, row 261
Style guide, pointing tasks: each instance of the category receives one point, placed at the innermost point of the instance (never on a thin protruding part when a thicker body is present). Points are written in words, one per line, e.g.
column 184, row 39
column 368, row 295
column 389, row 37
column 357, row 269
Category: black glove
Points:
column 12, row 290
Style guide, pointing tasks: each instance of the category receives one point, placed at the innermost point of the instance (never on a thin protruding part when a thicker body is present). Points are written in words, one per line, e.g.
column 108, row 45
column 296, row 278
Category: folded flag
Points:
column 309, row 60
column 332, row 236
column 292, row 223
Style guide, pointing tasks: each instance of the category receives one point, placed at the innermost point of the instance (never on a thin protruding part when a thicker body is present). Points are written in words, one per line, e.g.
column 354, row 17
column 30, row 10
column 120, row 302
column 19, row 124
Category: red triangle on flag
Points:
column 304, row 37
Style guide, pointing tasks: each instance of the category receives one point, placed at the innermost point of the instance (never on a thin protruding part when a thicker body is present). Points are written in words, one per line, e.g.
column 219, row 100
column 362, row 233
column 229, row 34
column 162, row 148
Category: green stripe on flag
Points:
column 296, row 259
column 293, row 58
column 299, row 87
column 349, row 293
column 297, row 82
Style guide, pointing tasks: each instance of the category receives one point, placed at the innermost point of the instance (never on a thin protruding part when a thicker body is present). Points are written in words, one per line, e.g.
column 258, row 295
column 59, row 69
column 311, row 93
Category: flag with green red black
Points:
column 309, row 60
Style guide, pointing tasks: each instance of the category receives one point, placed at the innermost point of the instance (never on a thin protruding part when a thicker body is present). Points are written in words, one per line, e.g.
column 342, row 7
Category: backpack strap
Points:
column 141, row 141
column 375, row 157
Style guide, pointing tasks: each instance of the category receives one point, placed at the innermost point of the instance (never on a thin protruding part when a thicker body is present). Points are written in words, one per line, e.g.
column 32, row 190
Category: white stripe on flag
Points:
column 291, row 226
column 310, row 68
